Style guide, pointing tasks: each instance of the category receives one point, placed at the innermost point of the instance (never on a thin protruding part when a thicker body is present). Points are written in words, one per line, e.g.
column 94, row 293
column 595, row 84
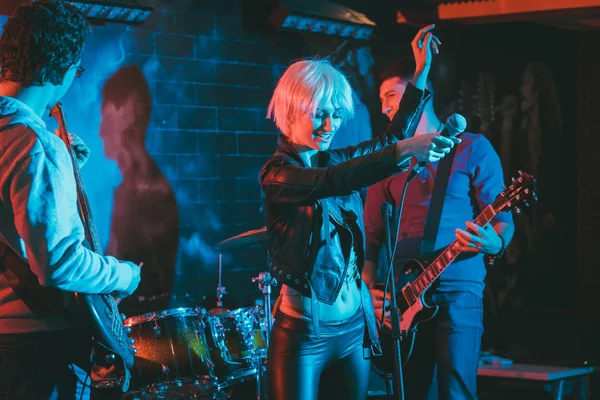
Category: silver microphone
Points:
column 455, row 125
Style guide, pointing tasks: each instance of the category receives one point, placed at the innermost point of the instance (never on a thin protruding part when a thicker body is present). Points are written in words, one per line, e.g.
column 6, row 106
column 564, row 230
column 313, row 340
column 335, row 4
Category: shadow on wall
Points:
column 144, row 223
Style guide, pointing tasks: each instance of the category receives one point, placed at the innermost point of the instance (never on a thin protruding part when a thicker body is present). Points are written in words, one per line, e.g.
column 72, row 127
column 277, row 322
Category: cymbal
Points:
column 256, row 236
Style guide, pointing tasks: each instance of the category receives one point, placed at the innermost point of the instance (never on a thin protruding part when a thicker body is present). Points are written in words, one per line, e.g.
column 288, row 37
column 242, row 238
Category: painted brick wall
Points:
column 214, row 83
column 210, row 81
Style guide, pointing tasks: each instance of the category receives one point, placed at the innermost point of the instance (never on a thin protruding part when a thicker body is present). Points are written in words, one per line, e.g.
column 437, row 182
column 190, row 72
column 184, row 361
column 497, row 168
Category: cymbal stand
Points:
column 220, row 288
column 265, row 282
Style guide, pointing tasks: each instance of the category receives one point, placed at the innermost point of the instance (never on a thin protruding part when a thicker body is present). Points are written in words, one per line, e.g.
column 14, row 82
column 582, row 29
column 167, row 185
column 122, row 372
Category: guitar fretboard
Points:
column 442, row 261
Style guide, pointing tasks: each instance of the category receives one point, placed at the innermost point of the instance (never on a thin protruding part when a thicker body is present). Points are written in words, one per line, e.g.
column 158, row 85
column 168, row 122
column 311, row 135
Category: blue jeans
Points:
column 448, row 348
column 44, row 365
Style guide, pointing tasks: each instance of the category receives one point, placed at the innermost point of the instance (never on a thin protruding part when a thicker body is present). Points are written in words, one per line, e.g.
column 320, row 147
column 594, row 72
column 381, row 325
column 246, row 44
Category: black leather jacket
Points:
column 307, row 249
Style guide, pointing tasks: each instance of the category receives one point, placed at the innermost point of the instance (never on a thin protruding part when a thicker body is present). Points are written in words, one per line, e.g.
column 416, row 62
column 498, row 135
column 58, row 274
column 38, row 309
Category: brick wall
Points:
column 214, row 83
column 210, row 81
column 215, row 80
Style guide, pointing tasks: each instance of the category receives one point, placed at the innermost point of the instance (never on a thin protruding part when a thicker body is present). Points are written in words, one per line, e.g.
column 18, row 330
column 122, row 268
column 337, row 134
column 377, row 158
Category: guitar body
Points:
column 411, row 316
column 106, row 325
column 416, row 278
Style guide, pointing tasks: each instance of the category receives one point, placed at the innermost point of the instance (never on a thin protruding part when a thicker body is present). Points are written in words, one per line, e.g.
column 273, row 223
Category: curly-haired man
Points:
column 42, row 356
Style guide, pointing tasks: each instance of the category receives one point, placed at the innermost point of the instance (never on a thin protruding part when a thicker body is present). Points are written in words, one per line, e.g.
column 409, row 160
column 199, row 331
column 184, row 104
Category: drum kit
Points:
column 194, row 353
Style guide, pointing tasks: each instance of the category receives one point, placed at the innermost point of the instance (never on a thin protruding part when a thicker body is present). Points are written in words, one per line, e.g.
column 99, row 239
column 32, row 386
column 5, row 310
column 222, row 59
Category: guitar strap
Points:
column 434, row 215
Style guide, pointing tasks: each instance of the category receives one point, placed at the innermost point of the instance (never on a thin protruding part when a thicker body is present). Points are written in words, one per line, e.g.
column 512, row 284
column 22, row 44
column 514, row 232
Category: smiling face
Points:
column 310, row 102
column 316, row 130
column 390, row 94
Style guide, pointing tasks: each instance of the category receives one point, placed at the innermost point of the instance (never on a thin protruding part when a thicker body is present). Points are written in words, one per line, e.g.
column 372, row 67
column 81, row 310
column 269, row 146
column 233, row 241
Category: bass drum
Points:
column 173, row 358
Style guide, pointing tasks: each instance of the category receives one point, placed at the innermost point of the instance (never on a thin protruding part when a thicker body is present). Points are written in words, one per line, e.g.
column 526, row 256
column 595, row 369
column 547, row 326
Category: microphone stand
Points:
column 455, row 125
column 398, row 379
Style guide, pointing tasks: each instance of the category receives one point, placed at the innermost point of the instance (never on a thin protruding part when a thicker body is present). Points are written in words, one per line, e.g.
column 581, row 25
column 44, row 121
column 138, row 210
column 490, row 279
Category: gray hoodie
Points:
column 39, row 219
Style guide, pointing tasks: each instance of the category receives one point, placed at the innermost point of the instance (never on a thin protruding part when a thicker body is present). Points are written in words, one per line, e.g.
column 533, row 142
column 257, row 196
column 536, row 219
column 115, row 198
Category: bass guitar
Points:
column 417, row 276
column 97, row 313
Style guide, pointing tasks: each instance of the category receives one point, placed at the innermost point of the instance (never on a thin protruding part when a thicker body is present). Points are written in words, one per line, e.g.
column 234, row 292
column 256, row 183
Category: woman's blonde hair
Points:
column 301, row 88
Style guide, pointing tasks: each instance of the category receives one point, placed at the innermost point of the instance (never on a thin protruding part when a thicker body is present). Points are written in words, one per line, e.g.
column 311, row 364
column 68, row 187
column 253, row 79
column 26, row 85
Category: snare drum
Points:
column 172, row 354
column 237, row 343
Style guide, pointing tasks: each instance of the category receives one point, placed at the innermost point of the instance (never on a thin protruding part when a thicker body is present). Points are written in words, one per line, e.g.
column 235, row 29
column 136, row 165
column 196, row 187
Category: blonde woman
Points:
column 324, row 318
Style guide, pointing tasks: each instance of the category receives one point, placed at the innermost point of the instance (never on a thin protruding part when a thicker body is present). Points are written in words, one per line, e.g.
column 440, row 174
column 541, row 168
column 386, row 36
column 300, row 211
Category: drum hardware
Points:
column 265, row 282
column 255, row 360
column 191, row 352
column 236, row 340
column 221, row 291
column 245, row 239
column 187, row 353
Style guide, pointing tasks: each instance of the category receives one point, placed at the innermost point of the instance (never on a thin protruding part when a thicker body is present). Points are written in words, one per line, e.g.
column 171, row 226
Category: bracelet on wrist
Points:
column 493, row 257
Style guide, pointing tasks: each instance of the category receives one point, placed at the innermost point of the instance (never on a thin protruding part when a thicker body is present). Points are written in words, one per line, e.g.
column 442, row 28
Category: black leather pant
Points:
column 304, row 367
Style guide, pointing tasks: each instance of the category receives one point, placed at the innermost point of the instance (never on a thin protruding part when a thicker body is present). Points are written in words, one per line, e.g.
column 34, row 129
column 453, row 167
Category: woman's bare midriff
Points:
column 293, row 303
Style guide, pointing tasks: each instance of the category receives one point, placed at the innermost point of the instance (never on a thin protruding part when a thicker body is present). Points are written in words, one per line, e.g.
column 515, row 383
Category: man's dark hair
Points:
column 403, row 68
column 40, row 42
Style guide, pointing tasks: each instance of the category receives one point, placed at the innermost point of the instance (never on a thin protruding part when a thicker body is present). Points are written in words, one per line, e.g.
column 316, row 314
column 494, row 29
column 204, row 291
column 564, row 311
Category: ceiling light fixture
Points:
column 104, row 11
column 322, row 17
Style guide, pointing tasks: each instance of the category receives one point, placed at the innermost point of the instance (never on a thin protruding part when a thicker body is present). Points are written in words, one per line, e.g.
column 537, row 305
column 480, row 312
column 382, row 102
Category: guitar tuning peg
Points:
column 517, row 210
column 535, row 197
column 526, row 203
column 518, row 197
column 520, row 172
column 512, row 179
column 526, row 191
column 520, row 180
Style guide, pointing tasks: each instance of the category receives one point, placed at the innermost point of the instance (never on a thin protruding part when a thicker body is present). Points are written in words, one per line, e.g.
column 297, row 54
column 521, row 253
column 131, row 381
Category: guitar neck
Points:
column 433, row 270
column 83, row 203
